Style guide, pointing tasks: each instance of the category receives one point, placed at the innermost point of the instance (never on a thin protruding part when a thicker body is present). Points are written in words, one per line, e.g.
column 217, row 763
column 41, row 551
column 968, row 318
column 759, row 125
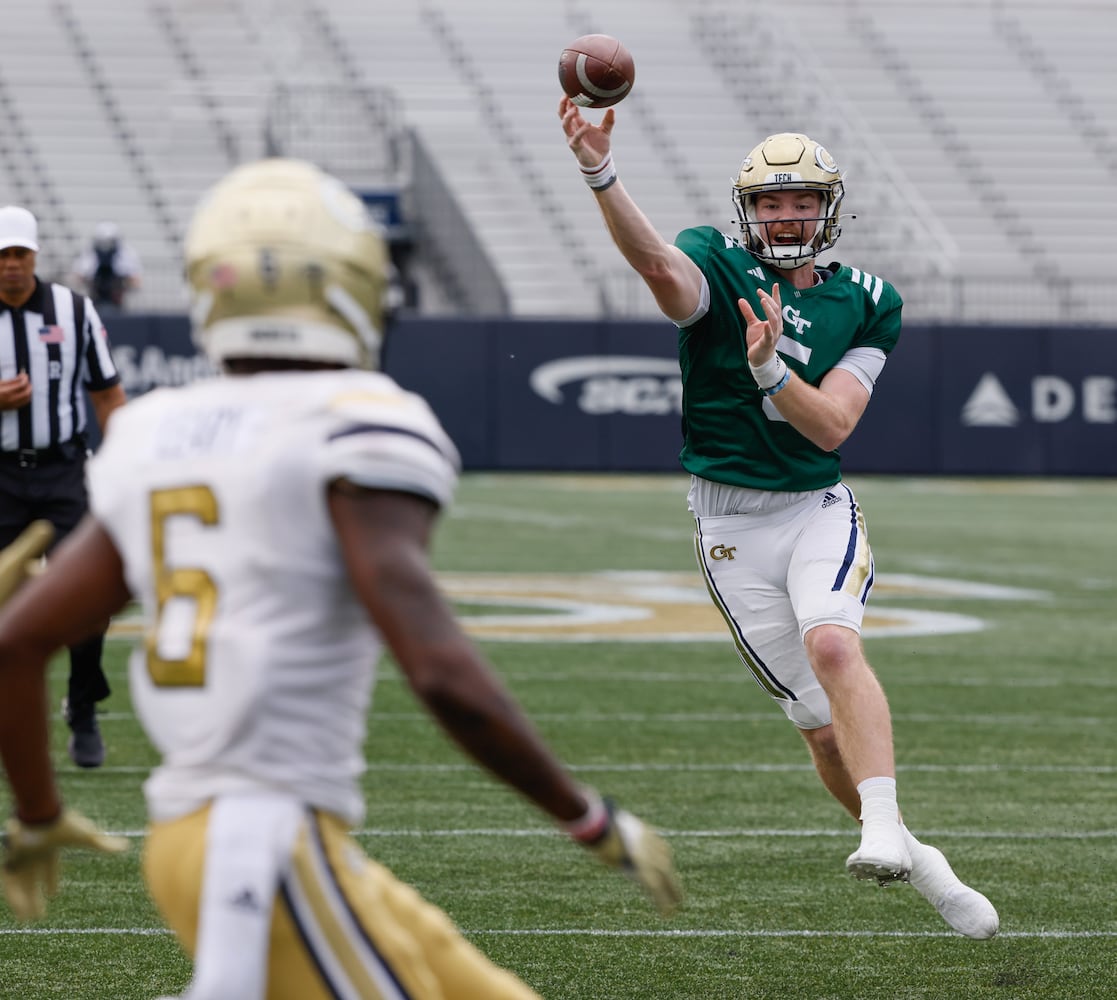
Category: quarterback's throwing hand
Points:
column 31, row 861
column 624, row 841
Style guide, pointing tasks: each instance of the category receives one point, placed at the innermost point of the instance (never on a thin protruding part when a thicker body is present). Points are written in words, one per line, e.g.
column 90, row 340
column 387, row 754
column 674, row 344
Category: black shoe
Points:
column 86, row 747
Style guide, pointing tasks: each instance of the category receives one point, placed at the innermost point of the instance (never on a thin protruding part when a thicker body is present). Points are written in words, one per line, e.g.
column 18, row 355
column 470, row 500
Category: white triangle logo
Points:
column 989, row 405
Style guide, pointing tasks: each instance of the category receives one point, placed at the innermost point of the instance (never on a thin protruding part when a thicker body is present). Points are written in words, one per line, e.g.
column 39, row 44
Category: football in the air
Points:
column 596, row 71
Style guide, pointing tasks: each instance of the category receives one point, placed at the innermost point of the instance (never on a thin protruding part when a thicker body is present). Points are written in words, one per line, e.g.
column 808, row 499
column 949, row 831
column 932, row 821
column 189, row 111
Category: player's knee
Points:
column 834, row 651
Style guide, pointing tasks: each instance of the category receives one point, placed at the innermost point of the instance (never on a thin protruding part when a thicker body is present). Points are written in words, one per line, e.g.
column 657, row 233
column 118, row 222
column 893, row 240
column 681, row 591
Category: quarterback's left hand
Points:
column 31, row 861
column 762, row 333
column 17, row 561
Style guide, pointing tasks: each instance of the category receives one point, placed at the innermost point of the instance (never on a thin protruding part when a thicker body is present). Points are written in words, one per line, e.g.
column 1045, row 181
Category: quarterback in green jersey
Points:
column 779, row 357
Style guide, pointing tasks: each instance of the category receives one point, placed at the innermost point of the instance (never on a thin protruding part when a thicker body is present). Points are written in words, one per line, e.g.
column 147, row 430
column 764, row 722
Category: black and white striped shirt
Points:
column 56, row 337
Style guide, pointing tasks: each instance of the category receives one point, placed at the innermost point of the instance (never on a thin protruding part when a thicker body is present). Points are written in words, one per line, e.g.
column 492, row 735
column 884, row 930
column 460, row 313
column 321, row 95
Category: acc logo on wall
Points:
column 634, row 385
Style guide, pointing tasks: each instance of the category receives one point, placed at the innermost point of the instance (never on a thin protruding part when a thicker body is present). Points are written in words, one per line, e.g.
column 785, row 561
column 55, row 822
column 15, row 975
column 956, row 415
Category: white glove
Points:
column 31, row 858
column 622, row 840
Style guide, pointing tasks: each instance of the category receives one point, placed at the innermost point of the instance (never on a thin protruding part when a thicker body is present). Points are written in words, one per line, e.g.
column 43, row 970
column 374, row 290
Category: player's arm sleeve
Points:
column 696, row 244
column 866, row 357
column 100, row 367
column 703, row 306
column 393, row 447
column 865, row 364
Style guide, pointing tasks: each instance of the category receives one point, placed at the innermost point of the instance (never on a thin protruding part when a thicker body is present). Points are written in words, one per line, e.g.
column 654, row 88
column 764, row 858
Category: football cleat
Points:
column 879, row 868
column 965, row 909
column 86, row 747
column 789, row 161
column 284, row 262
column 883, row 856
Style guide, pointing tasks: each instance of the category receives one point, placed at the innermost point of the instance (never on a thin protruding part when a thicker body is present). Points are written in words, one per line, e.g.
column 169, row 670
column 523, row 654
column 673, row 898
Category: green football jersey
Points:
column 730, row 433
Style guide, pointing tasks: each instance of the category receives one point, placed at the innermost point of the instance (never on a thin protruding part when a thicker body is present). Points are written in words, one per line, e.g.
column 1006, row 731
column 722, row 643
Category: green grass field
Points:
column 1006, row 744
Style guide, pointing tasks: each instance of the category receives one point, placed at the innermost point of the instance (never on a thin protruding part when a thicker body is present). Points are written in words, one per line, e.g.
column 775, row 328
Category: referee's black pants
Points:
column 54, row 489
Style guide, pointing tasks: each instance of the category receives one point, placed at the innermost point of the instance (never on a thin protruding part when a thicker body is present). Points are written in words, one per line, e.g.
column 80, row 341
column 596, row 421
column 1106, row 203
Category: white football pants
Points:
column 776, row 566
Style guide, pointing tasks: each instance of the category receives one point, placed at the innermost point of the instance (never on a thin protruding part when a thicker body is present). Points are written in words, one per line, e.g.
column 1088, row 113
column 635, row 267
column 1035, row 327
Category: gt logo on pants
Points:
column 722, row 551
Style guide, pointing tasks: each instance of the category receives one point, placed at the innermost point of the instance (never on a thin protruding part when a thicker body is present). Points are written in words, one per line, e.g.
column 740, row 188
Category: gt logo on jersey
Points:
column 722, row 551
column 795, row 318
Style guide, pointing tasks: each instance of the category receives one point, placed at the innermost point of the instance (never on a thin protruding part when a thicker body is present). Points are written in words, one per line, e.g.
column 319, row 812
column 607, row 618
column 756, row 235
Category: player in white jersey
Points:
column 275, row 525
column 230, row 476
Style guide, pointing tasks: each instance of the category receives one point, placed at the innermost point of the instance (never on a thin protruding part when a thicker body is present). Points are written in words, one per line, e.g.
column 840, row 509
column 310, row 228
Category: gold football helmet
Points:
column 789, row 161
column 285, row 262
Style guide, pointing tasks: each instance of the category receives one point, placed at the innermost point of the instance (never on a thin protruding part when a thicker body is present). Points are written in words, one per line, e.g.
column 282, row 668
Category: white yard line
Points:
column 390, row 676
column 732, row 768
column 712, row 932
column 704, row 718
column 743, row 833
column 689, row 718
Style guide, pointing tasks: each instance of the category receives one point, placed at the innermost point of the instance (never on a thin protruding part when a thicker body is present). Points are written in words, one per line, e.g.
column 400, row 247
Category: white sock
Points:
column 878, row 799
column 249, row 840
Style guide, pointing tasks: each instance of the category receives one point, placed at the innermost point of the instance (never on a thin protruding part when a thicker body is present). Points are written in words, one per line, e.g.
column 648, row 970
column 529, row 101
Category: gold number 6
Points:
column 184, row 582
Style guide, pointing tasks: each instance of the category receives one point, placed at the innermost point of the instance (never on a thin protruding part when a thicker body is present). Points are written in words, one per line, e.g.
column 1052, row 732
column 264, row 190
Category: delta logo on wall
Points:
column 1051, row 400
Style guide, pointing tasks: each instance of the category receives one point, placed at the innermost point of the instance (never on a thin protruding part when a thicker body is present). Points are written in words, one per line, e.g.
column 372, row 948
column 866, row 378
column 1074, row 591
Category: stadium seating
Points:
column 979, row 137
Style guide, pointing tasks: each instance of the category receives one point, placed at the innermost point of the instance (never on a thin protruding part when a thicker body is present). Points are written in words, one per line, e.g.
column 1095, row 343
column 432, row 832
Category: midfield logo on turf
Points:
column 654, row 606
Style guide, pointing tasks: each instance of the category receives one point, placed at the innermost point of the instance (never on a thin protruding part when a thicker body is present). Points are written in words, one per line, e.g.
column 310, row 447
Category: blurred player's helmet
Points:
column 789, row 161
column 285, row 262
column 106, row 237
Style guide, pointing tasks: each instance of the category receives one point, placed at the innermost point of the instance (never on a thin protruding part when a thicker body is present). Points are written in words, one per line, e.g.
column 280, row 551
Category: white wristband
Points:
column 771, row 374
column 603, row 175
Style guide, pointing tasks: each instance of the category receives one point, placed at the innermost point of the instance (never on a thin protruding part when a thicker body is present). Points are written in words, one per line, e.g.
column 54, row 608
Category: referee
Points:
column 52, row 342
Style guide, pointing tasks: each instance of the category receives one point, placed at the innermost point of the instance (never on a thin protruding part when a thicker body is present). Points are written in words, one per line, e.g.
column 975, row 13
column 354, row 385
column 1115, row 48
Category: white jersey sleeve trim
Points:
column 703, row 306
column 383, row 456
column 865, row 364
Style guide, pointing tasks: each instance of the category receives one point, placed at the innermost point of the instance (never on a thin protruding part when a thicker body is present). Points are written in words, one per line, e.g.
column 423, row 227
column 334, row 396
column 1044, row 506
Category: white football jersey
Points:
column 258, row 663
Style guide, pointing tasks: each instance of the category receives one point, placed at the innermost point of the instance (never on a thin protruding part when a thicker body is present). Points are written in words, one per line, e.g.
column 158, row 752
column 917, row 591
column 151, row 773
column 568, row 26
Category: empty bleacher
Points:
column 979, row 137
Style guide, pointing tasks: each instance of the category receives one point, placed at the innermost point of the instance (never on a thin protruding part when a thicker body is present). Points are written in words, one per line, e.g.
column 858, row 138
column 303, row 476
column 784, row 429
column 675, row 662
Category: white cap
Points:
column 18, row 228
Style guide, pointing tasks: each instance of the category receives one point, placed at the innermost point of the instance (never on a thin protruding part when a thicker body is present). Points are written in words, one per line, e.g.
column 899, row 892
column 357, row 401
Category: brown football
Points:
column 596, row 71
